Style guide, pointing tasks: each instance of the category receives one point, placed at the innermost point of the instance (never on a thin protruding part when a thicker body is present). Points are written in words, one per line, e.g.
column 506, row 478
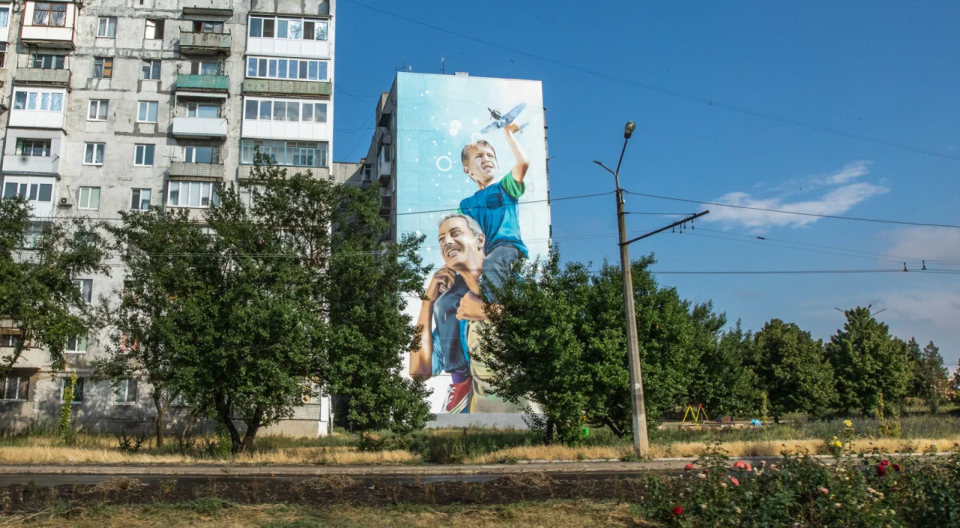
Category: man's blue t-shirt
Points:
column 495, row 209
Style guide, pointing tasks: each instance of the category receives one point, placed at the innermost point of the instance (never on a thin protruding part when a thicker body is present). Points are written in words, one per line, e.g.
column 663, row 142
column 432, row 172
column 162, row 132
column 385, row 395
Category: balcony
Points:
column 384, row 180
column 209, row 83
column 386, row 205
column 245, row 172
column 200, row 127
column 48, row 37
column 196, row 170
column 41, row 76
column 13, row 163
column 285, row 87
column 205, row 43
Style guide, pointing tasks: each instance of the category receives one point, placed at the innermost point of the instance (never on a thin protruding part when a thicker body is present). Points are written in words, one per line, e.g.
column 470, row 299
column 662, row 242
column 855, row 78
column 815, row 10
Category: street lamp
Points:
column 640, row 442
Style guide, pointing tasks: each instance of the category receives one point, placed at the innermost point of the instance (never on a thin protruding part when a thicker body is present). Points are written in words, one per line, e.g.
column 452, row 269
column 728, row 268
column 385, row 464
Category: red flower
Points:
column 896, row 467
column 881, row 471
column 740, row 464
column 678, row 510
column 689, row 466
column 884, row 463
column 734, row 481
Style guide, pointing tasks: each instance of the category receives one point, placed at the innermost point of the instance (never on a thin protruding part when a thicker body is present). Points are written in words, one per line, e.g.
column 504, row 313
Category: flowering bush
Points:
column 801, row 490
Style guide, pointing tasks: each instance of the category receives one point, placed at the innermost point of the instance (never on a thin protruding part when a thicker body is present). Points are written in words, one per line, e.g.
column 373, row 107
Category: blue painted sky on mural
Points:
column 881, row 70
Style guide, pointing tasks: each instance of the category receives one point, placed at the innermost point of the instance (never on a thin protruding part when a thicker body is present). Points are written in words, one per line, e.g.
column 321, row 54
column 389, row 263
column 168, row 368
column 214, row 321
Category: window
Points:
column 48, row 62
column 205, row 68
column 4, row 17
column 107, row 27
column 42, row 100
column 143, row 156
column 288, row 153
column 103, row 67
column 285, row 110
column 200, row 154
column 53, row 14
column 310, row 70
column 150, row 69
column 77, row 344
column 154, row 29
column 3, row 53
column 15, row 387
column 33, row 147
column 125, row 392
column 33, row 235
column 94, row 154
column 293, row 29
column 207, row 27
column 147, row 112
column 202, row 110
column 35, row 192
column 10, row 337
column 90, row 198
column 140, row 199
column 86, row 289
column 98, row 110
column 77, row 389
column 192, row 194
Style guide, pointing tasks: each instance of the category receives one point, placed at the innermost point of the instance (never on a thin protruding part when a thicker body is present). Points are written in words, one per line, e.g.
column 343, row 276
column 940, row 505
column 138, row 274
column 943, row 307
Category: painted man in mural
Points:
column 448, row 319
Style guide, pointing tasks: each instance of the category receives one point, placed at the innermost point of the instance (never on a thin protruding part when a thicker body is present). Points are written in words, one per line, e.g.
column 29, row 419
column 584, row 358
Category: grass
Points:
column 205, row 512
column 485, row 446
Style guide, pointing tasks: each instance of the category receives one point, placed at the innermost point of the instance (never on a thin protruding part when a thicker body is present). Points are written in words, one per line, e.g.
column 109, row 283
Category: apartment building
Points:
column 113, row 105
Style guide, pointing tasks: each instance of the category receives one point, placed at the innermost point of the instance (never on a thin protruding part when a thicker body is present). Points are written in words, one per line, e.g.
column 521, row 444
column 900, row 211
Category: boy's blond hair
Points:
column 465, row 153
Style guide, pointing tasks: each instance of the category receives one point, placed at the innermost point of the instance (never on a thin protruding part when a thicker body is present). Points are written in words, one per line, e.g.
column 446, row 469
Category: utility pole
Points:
column 641, row 442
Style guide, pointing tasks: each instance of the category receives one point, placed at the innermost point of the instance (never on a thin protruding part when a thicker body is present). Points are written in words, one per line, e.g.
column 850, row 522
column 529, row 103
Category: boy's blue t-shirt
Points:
column 495, row 209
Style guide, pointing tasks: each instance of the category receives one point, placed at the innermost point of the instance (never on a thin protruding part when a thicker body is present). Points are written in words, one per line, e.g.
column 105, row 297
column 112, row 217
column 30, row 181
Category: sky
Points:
column 758, row 104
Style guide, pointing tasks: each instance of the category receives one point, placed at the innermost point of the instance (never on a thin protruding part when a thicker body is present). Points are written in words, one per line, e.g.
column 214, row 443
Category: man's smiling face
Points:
column 459, row 246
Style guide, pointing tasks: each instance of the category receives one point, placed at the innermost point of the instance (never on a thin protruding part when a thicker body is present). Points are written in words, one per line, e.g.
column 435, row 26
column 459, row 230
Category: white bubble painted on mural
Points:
column 444, row 161
column 455, row 127
column 476, row 136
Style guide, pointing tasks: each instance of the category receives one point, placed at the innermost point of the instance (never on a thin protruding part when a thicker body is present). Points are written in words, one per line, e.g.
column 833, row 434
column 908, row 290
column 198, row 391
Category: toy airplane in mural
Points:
column 502, row 120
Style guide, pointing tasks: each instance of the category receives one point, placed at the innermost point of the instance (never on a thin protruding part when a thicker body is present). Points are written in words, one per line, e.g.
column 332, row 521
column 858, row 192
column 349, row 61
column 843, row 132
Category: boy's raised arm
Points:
column 523, row 162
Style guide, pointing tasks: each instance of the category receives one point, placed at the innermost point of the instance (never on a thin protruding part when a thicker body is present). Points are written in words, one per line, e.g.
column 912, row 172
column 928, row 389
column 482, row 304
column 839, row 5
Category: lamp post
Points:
column 640, row 442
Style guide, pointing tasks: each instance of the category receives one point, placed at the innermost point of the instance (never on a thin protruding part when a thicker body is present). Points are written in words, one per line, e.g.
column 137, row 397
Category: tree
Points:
column 532, row 346
column 252, row 309
column 933, row 376
column 867, row 362
column 915, row 388
column 37, row 291
column 792, row 369
column 725, row 383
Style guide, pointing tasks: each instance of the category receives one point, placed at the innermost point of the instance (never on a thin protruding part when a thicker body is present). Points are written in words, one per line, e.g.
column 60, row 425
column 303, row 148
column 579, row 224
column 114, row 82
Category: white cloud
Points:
column 840, row 198
column 925, row 243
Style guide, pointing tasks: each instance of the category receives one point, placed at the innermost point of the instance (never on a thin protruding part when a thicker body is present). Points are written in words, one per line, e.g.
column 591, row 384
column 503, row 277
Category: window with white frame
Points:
column 76, row 344
column 28, row 190
column 98, row 110
column 46, row 61
column 4, row 16
column 103, row 67
column 16, row 387
column 77, row 389
column 150, row 70
column 33, row 235
column 93, row 154
column 86, row 289
column 33, row 147
column 50, row 14
column 204, row 68
column 154, row 29
column 203, row 110
column 284, row 110
column 38, row 100
column 287, row 153
column 140, row 199
column 125, row 392
column 89, row 198
column 147, row 111
column 287, row 28
column 143, row 156
column 192, row 194
column 200, row 154
column 107, row 27
column 302, row 69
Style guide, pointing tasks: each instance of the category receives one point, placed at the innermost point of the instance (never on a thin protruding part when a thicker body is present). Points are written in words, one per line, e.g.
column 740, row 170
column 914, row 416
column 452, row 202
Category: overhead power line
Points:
column 668, row 91
column 781, row 211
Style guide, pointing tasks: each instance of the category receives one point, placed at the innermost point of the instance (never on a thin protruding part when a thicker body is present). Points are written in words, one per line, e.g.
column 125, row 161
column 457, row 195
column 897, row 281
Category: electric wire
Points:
column 671, row 92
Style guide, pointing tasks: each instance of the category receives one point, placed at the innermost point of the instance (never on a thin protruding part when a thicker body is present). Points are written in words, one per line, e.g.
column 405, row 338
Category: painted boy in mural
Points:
column 494, row 205
column 448, row 319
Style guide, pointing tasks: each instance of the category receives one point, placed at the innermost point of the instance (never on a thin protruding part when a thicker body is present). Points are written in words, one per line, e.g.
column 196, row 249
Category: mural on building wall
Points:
column 472, row 176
